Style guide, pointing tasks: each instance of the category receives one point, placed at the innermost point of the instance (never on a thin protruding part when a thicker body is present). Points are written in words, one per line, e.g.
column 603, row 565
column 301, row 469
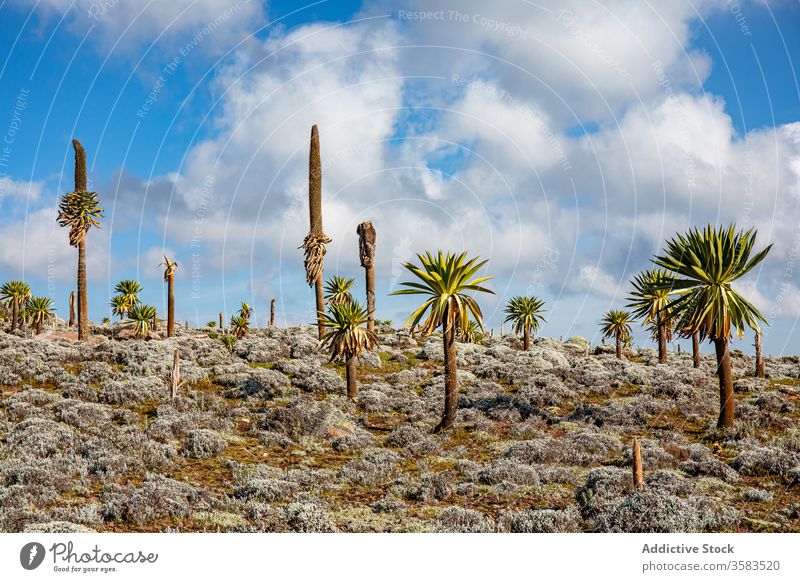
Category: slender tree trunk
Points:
column 725, row 374
column 38, row 326
column 619, row 348
column 221, row 327
column 155, row 323
column 176, row 374
column 638, row 471
column 315, row 219
column 759, row 357
column 272, row 312
column 14, row 313
column 450, row 379
column 696, row 349
column 319, row 291
column 662, row 344
column 83, row 300
column 526, row 338
column 171, row 305
column 351, row 378
column 366, row 244
column 72, row 309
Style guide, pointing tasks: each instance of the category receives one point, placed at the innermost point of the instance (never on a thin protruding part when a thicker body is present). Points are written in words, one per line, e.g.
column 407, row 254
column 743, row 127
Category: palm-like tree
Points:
column 337, row 290
column 650, row 301
column 473, row 333
column 119, row 306
column 40, row 310
column 446, row 279
column 245, row 310
column 128, row 291
column 239, row 326
column 346, row 338
column 228, row 341
column 80, row 210
column 617, row 324
column 141, row 317
column 15, row 294
column 705, row 264
column 169, row 277
column 525, row 314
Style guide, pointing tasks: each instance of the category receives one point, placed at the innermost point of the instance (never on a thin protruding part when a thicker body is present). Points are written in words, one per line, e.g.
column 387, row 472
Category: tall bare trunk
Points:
column 316, row 240
column 725, row 374
column 696, row 349
column 351, row 377
column 72, row 309
column 366, row 245
column 14, row 313
column 450, row 379
column 759, row 357
column 619, row 348
column 83, row 300
column 221, row 326
column 171, row 305
column 175, row 377
column 272, row 312
column 155, row 323
column 662, row 344
column 526, row 338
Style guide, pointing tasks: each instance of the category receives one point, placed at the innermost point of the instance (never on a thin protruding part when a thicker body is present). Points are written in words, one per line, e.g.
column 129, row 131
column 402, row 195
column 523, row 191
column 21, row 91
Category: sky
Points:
column 565, row 142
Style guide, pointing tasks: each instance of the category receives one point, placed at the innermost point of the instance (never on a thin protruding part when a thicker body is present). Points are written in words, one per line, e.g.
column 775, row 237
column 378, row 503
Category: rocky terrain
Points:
column 261, row 438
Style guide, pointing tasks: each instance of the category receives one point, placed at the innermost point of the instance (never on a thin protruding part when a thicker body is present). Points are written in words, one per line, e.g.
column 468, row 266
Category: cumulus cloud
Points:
column 211, row 26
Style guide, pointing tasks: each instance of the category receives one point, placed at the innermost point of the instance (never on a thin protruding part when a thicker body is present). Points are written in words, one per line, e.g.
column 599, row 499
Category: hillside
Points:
column 262, row 438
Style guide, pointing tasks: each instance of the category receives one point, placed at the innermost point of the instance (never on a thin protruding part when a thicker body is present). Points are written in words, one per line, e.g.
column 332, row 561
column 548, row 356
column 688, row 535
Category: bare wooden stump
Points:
column 638, row 472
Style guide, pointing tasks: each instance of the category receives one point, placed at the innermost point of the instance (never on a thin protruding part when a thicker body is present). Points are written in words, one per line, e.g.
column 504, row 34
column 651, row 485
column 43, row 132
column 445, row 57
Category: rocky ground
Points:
column 262, row 439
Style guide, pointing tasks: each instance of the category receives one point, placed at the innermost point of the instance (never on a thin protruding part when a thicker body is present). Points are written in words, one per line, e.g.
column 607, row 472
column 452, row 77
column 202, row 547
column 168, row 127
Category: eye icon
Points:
column 31, row 555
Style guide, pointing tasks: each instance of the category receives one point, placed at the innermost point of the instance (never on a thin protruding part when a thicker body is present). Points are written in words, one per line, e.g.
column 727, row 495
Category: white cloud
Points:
column 19, row 189
column 211, row 26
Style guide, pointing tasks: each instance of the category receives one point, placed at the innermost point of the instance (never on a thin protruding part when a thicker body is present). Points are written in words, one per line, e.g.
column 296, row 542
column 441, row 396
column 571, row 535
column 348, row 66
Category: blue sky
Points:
column 540, row 137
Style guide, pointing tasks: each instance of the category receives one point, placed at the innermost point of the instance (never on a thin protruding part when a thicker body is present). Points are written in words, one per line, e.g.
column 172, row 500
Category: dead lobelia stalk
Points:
column 366, row 251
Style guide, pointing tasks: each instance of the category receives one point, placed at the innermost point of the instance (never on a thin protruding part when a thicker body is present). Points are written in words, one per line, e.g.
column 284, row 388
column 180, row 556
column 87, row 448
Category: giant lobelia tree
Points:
column 80, row 210
column 315, row 241
column 366, row 252
column 446, row 280
column 705, row 263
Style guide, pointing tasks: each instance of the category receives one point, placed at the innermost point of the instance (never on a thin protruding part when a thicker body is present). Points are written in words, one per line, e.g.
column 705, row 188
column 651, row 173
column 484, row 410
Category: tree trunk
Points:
column 14, row 313
column 38, row 326
column 221, row 327
column 662, row 344
column 155, row 323
column 759, row 357
column 351, row 378
column 72, row 309
column 526, row 338
column 638, row 471
column 319, row 291
column 619, row 348
column 450, row 379
column 315, row 218
column 725, row 374
column 171, row 305
column 176, row 374
column 83, row 300
column 366, row 245
column 696, row 349
column 272, row 313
